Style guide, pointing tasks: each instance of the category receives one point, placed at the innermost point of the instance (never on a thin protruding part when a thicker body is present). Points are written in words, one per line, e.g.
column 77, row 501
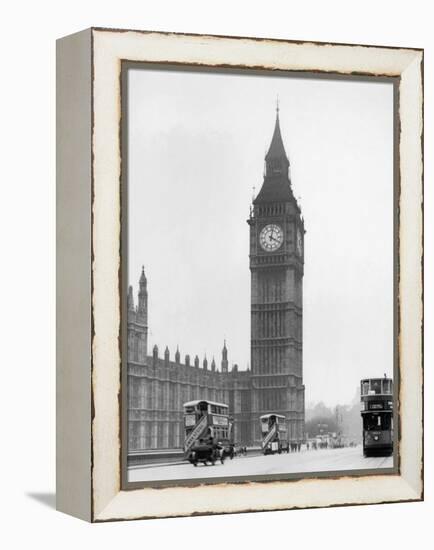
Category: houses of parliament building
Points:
column 160, row 383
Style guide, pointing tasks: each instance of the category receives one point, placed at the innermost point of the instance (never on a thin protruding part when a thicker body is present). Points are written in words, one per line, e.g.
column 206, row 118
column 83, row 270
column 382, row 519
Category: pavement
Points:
column 322, row 460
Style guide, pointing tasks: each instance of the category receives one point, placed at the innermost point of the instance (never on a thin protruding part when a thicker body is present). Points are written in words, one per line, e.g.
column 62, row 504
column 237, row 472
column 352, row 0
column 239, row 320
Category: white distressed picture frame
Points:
column 88, row 272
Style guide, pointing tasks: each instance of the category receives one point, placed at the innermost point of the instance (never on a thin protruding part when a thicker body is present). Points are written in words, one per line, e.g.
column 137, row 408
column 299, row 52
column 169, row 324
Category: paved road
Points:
column 323, row 460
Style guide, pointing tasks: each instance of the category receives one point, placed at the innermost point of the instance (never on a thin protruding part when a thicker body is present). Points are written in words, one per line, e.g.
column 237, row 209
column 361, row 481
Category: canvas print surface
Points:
column 259, row 275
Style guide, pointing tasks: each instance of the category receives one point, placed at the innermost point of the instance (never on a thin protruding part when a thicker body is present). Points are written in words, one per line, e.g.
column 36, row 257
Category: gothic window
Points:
column 134, row 436
column 176, row 435
column 171, row 404
column 166, row 428
column 135, row 393
column 142, row 396
column 171, row 439
column 160, row 435
column 130, row 436
column 136, row 348
column 160, row 395
column 149, row 394
column 130, row 392
column 142, row 435
column 130, row 345
column 148, row 435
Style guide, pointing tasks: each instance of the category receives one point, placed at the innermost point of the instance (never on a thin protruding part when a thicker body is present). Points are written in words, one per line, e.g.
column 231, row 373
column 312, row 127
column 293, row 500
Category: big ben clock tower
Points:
column 276, row 265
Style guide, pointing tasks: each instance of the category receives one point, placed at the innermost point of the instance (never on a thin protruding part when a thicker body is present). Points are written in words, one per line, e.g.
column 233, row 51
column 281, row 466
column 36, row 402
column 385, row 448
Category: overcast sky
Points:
column 196, row 151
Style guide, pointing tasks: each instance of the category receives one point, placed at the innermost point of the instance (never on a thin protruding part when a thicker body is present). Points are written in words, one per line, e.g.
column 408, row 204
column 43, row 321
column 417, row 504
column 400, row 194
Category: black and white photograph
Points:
column 217, row 220
column 259, row 279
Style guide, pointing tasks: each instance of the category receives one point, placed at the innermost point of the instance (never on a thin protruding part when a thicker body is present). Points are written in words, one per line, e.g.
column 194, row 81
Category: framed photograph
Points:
column 240, row 299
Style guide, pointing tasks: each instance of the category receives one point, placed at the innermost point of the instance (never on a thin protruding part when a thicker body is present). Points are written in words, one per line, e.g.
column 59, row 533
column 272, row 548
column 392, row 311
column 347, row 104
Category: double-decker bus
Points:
column 274, row 433
column 376, row 396
column 205, row 420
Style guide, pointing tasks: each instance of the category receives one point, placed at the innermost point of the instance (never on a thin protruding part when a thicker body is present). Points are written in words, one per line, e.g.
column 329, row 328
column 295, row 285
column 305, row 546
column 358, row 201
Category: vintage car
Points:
column 205, row 452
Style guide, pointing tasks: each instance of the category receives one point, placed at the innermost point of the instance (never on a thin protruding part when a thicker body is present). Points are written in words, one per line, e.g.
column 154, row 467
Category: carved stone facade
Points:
column 158, row 386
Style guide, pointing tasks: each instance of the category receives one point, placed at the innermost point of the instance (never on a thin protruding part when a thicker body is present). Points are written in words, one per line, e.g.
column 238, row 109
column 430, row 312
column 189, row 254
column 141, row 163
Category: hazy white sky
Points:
column 196, row 150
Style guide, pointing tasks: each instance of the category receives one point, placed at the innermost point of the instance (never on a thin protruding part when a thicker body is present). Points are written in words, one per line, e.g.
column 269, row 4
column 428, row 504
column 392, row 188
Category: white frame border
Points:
column 109, row 47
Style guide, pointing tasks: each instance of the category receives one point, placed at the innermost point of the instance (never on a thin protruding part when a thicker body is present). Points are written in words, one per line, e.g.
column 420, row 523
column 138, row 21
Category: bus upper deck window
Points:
column 376, row 386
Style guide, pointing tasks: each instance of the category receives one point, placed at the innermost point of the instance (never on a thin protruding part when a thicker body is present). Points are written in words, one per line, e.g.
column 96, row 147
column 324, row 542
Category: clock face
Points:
column 299, row 242
column 271, row 237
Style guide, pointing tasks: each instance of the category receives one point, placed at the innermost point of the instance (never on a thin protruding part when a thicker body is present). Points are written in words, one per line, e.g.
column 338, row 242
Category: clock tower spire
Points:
column 277, row 184
column 276, row 266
